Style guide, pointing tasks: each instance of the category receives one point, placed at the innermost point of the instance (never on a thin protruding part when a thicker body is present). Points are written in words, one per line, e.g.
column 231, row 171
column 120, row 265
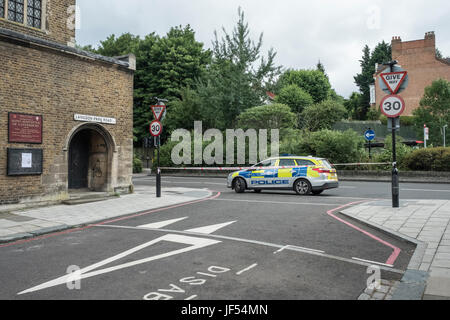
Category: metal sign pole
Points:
column 395, row 172
column 158, row 173
column 161, row 102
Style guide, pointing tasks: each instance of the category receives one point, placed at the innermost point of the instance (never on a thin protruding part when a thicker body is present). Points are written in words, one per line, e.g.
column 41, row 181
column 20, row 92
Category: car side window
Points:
column 305, row 163
column 267, row 163
column 287, row 163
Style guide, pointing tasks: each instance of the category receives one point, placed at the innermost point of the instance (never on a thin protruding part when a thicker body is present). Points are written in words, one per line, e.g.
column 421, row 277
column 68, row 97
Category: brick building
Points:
column 418, row 57
column 66, row 115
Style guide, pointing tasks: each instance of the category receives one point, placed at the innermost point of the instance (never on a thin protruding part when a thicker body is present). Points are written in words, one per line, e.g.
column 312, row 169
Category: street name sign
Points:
column 392, row 106
column 156, row 128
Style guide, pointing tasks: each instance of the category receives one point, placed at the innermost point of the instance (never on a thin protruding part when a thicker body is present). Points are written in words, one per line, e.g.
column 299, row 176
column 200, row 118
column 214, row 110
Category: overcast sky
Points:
column 301, row 32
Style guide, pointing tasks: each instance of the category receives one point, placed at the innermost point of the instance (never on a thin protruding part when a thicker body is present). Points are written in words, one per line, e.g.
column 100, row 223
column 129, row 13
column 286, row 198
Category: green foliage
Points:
column 167, row 147
column 322, row 115
column 273, row 116
column 314, row 82
column 353, row 105
column 430, row 159
column 407, row 120
column 165, row 65
column 295, row 97
column 239, row 75
column 137, row 164
column 434, row 111
column 373, row 114
column 112, row 46
column 336, row 146
column 381, row 54
column 402, row 151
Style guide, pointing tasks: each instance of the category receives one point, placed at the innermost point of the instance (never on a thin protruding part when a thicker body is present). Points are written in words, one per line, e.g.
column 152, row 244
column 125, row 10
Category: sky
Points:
column 301, row 32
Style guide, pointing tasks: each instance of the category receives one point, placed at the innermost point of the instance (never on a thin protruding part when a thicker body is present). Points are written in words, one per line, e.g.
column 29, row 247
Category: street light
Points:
column 444, row 133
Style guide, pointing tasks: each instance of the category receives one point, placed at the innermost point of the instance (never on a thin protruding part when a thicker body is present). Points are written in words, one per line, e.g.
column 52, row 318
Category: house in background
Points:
column 418, row 57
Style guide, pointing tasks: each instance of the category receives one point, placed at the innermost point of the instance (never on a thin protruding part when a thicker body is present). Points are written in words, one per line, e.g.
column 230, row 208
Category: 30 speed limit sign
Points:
column 156, row 128
column 393, row 106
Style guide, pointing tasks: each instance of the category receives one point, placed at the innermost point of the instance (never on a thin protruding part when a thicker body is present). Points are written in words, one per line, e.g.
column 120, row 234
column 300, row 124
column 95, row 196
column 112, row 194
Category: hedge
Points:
column 430, row 159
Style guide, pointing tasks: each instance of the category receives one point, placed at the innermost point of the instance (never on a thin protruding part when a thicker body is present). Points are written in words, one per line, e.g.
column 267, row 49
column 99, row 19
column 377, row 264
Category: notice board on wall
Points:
column 23, row 162
column 24, row 128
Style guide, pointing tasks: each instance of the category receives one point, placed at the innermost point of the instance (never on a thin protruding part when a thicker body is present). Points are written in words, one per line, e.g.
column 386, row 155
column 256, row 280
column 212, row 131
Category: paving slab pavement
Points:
column 28, row 223
column 426, row 223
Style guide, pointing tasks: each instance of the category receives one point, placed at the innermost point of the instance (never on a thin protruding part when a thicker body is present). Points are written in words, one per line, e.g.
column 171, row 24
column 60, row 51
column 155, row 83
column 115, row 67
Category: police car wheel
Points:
column 239, row 185
column 258, row 190
column 302, row 187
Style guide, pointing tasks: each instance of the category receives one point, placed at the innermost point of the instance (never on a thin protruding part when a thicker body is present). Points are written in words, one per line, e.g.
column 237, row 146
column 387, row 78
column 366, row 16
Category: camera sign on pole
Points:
column 393, row 106
column 156, row 128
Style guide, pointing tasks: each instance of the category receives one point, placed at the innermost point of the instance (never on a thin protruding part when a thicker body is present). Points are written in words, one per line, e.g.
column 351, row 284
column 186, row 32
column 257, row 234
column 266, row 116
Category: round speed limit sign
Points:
column 156, row 128
column 393, row 106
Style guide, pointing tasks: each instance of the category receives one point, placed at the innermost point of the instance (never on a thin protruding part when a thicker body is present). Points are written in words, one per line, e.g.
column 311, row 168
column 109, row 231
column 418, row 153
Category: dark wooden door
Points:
column 79, row 161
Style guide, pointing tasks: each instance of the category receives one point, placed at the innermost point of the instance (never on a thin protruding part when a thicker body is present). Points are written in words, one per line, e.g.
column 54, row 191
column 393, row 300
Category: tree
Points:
column 321, row 68
column 353, row 104
column 434, row 111
column 322, row 115
column 313, row 82
column 165, row 65
column 295, row 97
column 381, row 54
column 238, row 76
column 112, row 46
column 273, row 116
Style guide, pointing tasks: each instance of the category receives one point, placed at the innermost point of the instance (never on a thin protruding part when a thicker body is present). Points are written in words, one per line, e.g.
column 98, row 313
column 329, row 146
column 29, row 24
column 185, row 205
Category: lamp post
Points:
column 444, row 133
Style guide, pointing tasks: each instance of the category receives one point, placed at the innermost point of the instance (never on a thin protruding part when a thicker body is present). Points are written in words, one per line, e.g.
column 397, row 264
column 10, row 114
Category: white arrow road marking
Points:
column 195, row 243
column 210, row 229
column 161, row 224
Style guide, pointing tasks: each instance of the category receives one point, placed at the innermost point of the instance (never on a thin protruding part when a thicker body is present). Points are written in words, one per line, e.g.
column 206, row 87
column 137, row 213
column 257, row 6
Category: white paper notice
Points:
column 27, row 160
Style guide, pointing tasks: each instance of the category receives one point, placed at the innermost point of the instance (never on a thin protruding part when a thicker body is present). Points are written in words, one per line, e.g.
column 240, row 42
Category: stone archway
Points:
column 90, row 151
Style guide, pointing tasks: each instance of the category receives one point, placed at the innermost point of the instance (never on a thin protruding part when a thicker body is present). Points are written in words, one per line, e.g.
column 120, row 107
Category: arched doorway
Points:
column 89, row 159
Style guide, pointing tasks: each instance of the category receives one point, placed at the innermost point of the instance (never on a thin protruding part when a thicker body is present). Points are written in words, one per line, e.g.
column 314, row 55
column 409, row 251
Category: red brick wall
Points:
column 419, row 59
column 57, row 85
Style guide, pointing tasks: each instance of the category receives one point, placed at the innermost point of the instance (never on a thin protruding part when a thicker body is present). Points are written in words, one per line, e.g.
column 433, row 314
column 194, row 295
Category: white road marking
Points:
column 374, row 262
column 161, row 224
column 194, row 243
column 179, row 182
column 425, row 190
column 210, row 229
column 298, row 248
column 247, row 269
column 191, row 298
column 279, row 202
column 267, row 244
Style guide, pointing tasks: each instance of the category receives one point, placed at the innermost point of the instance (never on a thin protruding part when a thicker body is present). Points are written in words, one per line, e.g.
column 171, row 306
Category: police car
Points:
column 304, row 175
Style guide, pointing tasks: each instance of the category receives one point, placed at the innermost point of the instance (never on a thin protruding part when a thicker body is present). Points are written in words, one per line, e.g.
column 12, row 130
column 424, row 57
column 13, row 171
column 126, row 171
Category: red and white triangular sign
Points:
column 394, row 80
column 158, row 111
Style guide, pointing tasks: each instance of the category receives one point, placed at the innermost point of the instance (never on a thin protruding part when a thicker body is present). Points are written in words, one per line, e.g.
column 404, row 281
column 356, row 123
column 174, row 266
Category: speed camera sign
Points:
column 156, row 128
column 392, row 106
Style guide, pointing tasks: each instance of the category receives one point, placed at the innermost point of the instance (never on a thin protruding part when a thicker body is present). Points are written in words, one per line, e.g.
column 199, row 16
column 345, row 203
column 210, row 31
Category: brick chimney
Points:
column 430, row 40
column 425, row 48
column 396, row 47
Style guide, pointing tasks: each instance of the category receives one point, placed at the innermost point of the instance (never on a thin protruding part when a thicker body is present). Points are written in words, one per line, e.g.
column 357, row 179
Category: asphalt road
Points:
column 268, row 246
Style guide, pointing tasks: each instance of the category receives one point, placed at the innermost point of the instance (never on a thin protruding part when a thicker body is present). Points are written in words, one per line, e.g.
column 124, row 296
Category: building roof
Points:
column 20, row 37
